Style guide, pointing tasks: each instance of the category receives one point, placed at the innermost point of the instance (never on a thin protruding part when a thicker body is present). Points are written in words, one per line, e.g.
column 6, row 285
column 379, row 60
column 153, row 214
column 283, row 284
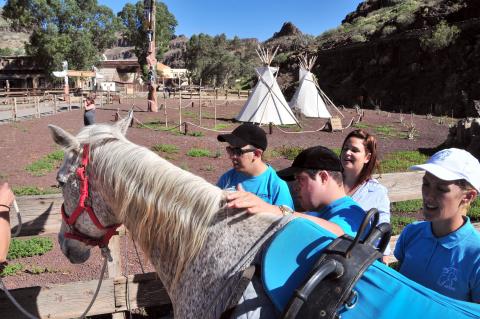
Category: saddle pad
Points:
column 382, row 292
column 290, row 256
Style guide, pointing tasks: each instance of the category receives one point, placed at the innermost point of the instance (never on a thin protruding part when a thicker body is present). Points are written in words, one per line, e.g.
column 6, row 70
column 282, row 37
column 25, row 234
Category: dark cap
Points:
column 316, row 158
column 246, row 134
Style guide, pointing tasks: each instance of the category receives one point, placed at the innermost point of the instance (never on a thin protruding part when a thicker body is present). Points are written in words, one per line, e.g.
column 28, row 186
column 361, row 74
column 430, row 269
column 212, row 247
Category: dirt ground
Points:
column 26, row 141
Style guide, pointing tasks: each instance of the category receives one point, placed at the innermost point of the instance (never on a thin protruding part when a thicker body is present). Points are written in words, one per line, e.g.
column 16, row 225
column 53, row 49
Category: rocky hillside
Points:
column 11, row 42
column 418, row 56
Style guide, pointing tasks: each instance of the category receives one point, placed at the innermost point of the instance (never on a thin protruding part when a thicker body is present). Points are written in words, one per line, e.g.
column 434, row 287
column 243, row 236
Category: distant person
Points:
column 443, row 252
column 359, row 160
column 6, row 200
column 89, row 115
column 318, row 174
column 245, row 148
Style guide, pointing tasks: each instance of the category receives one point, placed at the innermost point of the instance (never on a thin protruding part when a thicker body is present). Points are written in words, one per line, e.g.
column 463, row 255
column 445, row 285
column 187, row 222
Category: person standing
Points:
column 443, row 252
column 89, row 115
column 6, row 200
column 245, row 148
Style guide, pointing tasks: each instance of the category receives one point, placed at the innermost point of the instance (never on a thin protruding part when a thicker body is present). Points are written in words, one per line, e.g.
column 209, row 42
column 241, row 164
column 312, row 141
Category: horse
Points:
column 203, row 251
column 199, row 248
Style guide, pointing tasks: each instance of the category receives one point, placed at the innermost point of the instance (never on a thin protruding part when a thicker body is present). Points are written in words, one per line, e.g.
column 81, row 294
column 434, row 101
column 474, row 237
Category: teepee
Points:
column 309, row 99
column 266, row 104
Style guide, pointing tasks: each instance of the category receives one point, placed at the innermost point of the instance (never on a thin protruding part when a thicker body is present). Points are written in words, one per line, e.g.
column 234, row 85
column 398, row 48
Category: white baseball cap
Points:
column 453, row 164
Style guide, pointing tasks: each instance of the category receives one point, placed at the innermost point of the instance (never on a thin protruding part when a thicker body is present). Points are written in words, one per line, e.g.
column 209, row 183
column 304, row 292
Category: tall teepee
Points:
column 309, row 99
column 266, row 104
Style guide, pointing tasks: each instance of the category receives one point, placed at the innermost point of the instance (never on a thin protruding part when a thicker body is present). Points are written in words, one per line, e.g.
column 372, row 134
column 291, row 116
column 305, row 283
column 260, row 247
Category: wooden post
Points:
column 215, row 112
column 226, row 94
column 69, row 105
column 216, row 93
column 193, row 104
column 270, row 128
column 115, row 266
column 101, row 100
column 37, row 106
column 165, row 109
column 14, row 109
column 239, row 94
column 180, row 112
column 186, row 128
column 108, row 97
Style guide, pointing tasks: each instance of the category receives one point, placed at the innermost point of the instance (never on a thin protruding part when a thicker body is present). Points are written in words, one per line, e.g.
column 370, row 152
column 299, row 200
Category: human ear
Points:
column 469, row 196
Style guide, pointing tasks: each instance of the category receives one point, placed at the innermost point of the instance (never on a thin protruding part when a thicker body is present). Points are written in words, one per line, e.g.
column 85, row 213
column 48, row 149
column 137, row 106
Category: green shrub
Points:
column 198, row 152
column 474, row 212
column 388, row 29
column 195, row 133
column 442, row 36
column 33, row 190
column 20, row 248
column 221, row 126
column 165, row 148
column 11, row 270
column 46, row 164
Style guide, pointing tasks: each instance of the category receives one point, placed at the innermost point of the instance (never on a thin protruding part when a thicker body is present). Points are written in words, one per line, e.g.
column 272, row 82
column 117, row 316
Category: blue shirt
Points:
column 344, row 212
column 372, row 194
column 449, row 265
column 268, row 186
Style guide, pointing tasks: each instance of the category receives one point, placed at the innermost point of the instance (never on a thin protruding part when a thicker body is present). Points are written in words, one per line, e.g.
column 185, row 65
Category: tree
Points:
column 135, row 29
column 75, row 31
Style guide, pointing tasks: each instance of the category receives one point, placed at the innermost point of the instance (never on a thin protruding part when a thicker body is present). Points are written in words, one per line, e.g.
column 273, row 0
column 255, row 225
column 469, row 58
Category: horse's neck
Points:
column 234, row 243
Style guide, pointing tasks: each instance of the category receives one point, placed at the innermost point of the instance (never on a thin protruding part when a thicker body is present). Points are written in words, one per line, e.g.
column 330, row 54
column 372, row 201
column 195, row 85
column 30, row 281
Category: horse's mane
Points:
column 157, row 201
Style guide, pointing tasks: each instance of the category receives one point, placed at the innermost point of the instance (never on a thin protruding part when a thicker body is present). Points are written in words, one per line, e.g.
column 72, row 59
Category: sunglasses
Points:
column 237, row 151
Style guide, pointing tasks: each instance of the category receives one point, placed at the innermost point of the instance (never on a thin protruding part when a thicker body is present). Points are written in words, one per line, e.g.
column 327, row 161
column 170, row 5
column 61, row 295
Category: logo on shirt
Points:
column 448, row 278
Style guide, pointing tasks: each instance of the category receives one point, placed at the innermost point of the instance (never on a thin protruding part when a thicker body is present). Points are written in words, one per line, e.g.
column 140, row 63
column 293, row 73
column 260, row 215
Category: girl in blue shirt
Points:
column 443, row 252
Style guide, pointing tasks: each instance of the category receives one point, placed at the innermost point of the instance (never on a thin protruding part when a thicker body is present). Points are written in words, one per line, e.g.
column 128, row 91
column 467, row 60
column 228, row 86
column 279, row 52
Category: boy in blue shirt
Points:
column 246, row 145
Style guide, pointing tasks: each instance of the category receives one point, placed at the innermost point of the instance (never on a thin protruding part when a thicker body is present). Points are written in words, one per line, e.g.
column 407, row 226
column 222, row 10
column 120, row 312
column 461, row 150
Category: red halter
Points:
column 70, row 220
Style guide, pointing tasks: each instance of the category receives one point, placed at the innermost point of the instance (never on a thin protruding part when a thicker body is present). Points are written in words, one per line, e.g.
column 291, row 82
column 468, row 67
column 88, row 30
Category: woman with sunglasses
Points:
column 359, row 160
column 443, row 252
column 245, row 148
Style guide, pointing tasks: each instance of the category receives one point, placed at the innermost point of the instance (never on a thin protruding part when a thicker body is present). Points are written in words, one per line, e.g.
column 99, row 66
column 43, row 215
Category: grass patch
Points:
column 361, row 125
column 11, row 270
column 399, row 222
column 46, row 164
column 165, row 148
column 199, row 152
column 386, row 130
column 195, row 133
column 221, row 126
column 189, row 113
column 37, row 270
column 289, row 152
column 160, row 126
column 20, row 248
column 400, row 161
column 208, row 168
column 407, row 206
column 33, row 190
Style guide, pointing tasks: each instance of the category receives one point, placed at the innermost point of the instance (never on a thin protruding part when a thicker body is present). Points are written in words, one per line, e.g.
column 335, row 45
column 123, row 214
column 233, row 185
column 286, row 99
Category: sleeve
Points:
column 476, row 284
column 399, row 252
column 283, row 196
column 222, row 181
column 383, row 205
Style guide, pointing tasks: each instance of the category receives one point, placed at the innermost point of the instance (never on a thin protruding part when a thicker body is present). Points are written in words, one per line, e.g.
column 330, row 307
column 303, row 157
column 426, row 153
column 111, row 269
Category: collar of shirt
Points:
column 454, row 238
column 339, row 202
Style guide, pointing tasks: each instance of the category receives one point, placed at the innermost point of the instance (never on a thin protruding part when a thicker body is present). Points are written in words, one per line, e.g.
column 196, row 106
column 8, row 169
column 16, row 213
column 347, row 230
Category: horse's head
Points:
column 87, row 218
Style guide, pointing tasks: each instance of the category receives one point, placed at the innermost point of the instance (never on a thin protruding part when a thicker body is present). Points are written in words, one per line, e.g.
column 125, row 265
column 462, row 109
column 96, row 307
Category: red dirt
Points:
column 28, row 140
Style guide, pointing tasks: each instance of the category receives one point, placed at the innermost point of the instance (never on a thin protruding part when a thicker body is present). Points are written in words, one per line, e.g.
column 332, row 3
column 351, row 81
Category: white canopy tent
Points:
column 266, row 104
column 309, row 99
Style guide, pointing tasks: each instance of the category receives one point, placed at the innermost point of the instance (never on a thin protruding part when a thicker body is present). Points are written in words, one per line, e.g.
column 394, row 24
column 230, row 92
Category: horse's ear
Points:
column 124, row 123
column 63, row 138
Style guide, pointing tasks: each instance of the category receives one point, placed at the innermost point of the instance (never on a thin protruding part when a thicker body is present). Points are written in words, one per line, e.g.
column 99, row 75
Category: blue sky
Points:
column 251, row 18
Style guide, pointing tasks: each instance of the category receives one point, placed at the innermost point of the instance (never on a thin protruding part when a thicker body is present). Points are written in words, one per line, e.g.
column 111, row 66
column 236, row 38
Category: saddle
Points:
column 306, row 272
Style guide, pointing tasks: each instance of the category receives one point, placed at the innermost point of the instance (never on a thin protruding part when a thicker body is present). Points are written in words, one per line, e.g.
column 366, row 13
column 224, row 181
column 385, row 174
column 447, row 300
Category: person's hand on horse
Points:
column 6, row 197
column 249, row 201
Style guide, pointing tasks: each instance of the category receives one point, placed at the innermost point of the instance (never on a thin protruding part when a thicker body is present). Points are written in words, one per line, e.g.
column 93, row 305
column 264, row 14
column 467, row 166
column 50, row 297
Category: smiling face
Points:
column 442, row 200
column 354, row 156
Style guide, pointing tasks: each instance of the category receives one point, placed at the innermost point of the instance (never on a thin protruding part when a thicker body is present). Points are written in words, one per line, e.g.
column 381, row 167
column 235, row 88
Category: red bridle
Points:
column 81, row 207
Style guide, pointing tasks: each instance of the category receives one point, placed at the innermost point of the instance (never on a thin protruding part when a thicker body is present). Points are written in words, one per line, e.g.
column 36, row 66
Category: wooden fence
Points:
column 41, row 215
column 14, row 107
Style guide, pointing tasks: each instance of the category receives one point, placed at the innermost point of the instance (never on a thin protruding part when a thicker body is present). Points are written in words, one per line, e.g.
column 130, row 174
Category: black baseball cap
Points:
column 246, row 134
column 317, row 158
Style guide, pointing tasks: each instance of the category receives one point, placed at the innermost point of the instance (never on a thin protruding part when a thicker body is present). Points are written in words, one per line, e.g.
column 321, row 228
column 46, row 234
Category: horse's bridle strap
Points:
column 81, row 207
